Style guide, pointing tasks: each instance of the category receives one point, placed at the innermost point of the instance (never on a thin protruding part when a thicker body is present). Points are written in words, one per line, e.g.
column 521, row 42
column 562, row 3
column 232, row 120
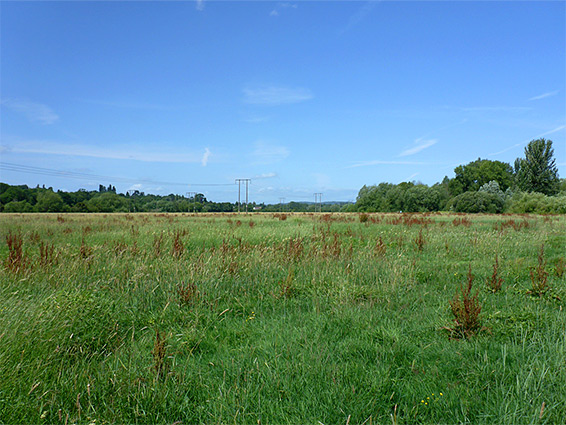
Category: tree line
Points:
column 482, row 186
column 532, row 184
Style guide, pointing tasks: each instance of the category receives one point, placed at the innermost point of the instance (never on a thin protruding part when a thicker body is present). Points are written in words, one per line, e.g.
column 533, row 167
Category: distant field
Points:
column 269, row 318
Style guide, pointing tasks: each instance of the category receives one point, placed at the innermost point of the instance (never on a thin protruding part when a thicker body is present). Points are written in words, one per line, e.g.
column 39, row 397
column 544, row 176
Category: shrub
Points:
column 522, row 203
column 539, row 276
column 466, row 310
column 494, row 282
column 476, row 202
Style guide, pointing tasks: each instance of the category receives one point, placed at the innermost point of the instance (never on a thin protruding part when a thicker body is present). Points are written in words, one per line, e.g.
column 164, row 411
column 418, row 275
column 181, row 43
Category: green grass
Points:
column 302, row 320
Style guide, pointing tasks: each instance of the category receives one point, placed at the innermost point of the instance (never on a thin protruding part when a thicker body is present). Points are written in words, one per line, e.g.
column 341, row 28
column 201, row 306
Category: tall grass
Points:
column 143, row 318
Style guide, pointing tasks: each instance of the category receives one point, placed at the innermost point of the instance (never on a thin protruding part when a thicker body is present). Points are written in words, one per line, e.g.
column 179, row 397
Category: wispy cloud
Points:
column 34, row 112
column 205, row 157
column 411, row 177
column 524, row 142
column 275, row 95
column 360, row 14
column 128, row 104
column 265, row 176
column 381, row 162
column 266, row 153
column 419, row 145
column 135, row 153
column 199, row 5
column 256, row 119
column 545, row 95
column 495, row 109
column 280, row 7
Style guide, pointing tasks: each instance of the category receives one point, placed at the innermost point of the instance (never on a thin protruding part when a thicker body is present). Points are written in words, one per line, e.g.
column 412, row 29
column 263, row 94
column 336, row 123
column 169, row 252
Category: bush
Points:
column 537, row 203
column 476, row 202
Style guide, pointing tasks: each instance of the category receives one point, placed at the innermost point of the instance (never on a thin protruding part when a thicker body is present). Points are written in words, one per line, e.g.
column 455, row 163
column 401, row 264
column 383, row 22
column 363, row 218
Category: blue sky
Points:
column 301, row 97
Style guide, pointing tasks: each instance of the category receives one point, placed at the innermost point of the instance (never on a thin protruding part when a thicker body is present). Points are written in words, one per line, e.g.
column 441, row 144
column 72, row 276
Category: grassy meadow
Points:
column 274, row 318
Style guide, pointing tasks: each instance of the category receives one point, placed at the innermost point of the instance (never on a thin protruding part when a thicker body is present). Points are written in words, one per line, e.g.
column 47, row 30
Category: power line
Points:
column 194, row 196
column 318, row 199
column 239, row 181
column 27, row 169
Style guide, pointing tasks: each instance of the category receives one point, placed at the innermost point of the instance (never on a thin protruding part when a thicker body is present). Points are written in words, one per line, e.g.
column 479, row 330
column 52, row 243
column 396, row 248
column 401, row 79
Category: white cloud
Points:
column 381, row 162
column 360, row 14
column 135, row 153
column 420, row 144
column 545, row 95
column 200, row 5
column 496, row 109
column 205, row 157
column 524, row 142
column 34, row 112
column 275, row 95
column 256, row 119
column 266, row 153
column 281, row 6
column 264, row 176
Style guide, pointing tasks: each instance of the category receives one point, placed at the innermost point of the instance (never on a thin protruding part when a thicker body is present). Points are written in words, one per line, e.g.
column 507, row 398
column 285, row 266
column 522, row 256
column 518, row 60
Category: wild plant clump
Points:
column 16, row 261
column 188, row 293
column 539, row 276
column 494, row 282
column 466, row 309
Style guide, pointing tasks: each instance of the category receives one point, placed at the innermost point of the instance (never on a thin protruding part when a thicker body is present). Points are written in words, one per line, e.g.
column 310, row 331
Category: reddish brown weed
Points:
column 47, row 255
column 178, row 247
column 462, row 221
column 420, row 240
column 380, row 247
column 495, row 282
column 159, row 353
column 466, row 310
column 16, row 261
column 295, row 248
column 559, row 267
column 539, row 276
column 288, row 289
column 85, row 251
column 188, row 293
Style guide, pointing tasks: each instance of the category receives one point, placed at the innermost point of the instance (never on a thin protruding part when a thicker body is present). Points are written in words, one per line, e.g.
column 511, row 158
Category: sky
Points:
column 301, row 97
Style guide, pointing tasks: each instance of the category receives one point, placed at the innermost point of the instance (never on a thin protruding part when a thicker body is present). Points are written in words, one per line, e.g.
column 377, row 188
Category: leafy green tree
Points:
column 18, row 206
column 493, row 187
column 537, row 172
column 476, row 202
column 49, row 201
column 108, row 202
column 421, row 198
column 475, row 174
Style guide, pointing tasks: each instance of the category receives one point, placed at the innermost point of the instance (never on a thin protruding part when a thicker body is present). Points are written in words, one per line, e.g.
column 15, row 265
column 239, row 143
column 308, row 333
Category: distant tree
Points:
column 474, row 175
column 18, row 206
column 421, row 198
column 537, row 172
column 49, row 201
column 108, row 202
column 476, row 202
column 493, row 187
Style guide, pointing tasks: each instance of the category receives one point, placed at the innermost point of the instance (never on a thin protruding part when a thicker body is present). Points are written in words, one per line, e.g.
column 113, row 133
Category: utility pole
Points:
column 131, row 193
column 318, row 200
column 281, row 200
column 239, row 181
column 194, row 196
